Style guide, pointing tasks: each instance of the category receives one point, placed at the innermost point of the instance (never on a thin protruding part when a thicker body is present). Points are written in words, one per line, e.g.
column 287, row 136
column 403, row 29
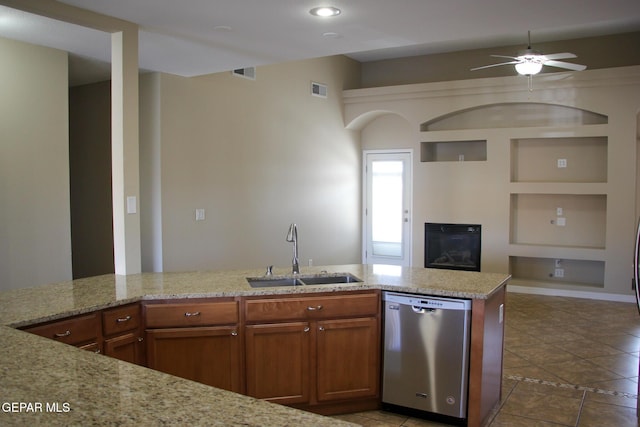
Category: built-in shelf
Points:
column 453, row 151
column 577, row 220
column 538, row 271
column 574, row 159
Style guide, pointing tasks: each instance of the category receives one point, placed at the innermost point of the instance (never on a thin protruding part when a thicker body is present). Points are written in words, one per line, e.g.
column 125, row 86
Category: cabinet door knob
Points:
column 123, row 319
column 317, row 307
column 140, row 339
column 321, row 328
column 64, row 334
column 195, row 313
column 307, row 329
column 234, row 333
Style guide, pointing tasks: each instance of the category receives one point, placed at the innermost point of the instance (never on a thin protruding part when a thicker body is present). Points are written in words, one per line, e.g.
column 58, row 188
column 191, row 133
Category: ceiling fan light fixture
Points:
column 528, row 68
column 325, row 11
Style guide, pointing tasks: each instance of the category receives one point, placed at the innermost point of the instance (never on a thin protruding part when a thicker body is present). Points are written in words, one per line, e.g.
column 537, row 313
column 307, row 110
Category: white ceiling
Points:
column 194, row 37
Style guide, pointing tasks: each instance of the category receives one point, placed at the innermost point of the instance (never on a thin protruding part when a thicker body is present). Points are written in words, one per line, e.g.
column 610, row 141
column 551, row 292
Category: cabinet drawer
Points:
column 282, row 309
column 120, row 319
column 72, row 331
column 194, row 314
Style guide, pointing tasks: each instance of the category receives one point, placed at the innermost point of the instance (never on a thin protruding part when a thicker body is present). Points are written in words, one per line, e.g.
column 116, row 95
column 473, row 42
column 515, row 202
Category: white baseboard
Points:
column 572, row 294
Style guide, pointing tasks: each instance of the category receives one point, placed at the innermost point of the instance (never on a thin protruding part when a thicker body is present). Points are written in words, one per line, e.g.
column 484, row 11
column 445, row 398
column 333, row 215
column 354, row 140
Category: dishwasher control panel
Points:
column 428, row 302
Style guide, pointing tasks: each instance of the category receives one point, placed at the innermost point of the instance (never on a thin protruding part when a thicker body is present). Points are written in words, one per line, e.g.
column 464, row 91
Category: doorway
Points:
column 387, row 176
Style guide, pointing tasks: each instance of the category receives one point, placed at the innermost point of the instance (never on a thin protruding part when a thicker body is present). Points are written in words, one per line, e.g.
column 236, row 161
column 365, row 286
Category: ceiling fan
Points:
column 529, row 62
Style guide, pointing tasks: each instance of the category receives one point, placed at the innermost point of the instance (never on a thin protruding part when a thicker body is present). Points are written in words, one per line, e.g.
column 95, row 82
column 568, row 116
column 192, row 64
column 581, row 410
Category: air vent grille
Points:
column 318, row 89
column 247, row 73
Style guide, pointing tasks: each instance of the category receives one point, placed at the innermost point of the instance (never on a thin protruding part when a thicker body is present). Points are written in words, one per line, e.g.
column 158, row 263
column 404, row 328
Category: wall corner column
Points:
column 125, row 151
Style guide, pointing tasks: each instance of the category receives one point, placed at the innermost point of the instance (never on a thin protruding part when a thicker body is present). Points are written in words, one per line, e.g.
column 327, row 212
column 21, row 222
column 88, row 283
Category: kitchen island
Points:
column 45, row 382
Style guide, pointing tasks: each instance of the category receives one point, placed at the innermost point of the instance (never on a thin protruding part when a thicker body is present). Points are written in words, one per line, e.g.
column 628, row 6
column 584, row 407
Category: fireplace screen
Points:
column 452, row 246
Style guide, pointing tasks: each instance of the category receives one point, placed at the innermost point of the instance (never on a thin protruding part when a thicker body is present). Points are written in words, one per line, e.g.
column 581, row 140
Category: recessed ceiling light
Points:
column 325, row 11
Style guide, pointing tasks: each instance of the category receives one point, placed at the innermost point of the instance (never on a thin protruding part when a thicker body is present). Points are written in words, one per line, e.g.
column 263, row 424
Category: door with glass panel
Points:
column 387, row 207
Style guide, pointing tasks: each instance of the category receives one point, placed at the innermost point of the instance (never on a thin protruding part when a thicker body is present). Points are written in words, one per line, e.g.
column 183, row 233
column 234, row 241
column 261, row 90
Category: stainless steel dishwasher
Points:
column 426, row 353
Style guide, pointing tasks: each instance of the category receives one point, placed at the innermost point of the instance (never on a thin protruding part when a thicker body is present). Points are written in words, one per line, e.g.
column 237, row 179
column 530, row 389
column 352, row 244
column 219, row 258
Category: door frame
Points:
column 408, row 245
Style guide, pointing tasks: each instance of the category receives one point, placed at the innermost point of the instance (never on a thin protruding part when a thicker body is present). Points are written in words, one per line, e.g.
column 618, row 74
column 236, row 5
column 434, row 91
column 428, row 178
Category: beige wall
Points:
column 35, row 239
column 597, row 52
column 256, row 155
column 482, row 191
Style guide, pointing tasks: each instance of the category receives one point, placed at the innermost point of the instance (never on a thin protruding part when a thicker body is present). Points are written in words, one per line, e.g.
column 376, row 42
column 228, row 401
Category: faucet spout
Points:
column 292, row 236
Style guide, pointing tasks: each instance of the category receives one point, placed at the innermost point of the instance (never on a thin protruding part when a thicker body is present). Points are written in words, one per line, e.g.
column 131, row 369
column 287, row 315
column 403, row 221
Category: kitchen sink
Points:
column 330, row 279
column 310, row 280
column 265, row 282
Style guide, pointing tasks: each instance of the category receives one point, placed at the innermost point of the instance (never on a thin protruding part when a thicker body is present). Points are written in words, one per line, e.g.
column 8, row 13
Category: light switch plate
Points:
column 199, row 214
column 132, row 205
column 561, row 221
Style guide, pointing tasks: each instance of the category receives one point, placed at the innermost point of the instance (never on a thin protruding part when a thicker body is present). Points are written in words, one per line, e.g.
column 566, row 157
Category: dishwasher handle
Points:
column 422, row 310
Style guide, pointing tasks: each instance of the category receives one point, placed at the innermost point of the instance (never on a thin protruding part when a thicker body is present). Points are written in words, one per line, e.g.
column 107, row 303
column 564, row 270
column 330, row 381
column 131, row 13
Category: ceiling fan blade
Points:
column 495, row 65
column 565, row 55
column 567, row 65
column 504, row 56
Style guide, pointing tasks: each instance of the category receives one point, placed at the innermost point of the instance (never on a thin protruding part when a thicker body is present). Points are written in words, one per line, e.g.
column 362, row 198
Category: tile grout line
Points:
column 572, row 386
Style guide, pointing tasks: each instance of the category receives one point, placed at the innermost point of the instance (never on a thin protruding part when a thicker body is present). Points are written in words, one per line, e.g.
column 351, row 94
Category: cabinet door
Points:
column 126, row 347
column 277, row 358
column 348, row 358
column 209, row 355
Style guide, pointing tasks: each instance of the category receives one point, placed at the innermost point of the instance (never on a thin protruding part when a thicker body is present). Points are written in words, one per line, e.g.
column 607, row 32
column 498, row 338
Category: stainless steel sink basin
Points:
column 330, row 279
column 310, row 280
column 265, row 282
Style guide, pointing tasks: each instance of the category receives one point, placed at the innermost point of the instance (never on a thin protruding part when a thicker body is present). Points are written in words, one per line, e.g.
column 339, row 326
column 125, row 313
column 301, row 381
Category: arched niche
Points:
column 511, row 115
column 364, row 119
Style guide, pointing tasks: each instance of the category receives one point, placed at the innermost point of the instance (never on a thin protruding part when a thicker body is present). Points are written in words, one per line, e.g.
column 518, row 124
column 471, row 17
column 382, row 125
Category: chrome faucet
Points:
column 292, row 236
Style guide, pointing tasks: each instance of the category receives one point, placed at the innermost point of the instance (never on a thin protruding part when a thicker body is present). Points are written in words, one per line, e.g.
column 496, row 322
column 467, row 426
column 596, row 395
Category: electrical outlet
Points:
column 561, row 221
column 562, row 163
column 559, row 272
column 199, row 214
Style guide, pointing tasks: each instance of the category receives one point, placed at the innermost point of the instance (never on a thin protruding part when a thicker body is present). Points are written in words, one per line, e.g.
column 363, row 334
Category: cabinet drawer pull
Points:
column 234, row 333
column 140, row 339
column 307, row 329
column 317, row 307
column 64, row 334
column 321, row 328
column 97, row 351
column 195, row 313
column 123, row 319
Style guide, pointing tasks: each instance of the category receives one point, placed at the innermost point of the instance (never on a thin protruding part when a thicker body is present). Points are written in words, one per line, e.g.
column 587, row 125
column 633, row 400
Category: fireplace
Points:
column 452, row 246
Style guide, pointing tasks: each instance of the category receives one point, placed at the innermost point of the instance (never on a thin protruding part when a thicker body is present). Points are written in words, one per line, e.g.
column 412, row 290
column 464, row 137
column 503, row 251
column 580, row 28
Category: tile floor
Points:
column 567, row 362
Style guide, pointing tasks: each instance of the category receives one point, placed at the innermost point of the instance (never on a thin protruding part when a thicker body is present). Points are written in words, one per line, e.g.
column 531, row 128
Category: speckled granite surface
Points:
column 27, row 306
column 65, row 386
column 43, row 382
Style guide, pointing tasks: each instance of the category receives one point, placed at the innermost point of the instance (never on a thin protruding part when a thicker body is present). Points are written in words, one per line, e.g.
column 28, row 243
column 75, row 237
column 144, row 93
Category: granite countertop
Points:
column 48, row 383
column 22, row 307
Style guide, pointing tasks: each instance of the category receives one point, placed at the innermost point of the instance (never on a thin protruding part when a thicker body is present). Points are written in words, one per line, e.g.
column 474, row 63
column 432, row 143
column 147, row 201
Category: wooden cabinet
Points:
column 116, row 332
column 278, row 362
column 81, row 331
column 348, row 362
column 122, row 329
column 308, row 351
column 199, row 341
